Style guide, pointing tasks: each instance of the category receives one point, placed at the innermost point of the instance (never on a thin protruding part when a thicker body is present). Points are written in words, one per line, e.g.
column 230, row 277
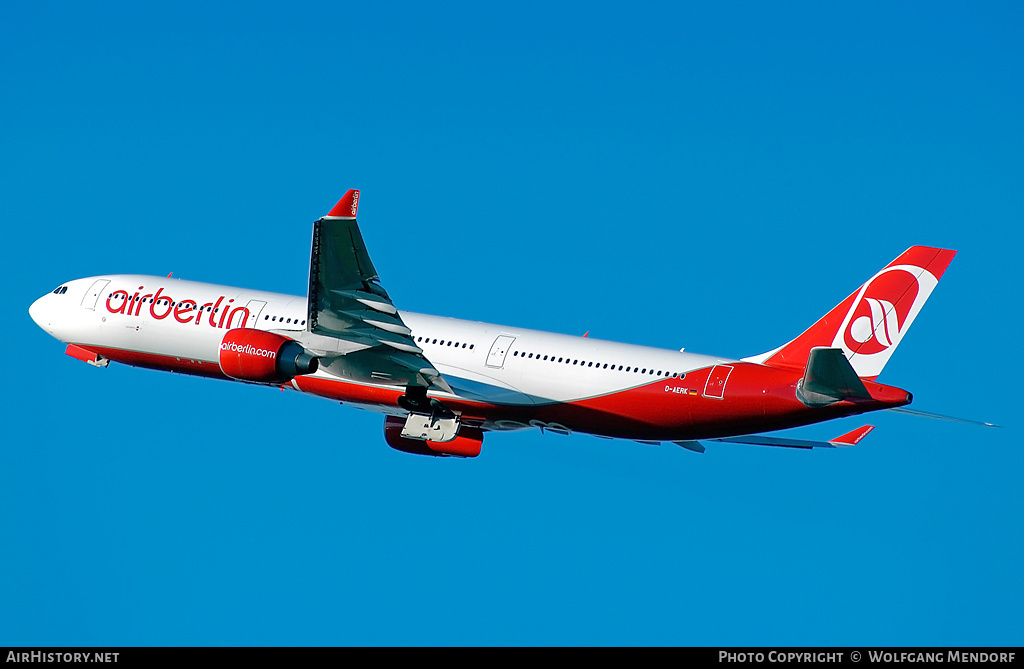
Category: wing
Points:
column 347, row 304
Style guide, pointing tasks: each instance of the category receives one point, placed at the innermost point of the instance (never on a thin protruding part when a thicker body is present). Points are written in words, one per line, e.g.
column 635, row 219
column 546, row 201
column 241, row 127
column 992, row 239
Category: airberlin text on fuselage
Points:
column 185, row 311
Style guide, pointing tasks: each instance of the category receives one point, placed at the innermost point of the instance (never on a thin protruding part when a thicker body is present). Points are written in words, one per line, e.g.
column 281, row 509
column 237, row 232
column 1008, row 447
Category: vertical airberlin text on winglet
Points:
column 347, row 205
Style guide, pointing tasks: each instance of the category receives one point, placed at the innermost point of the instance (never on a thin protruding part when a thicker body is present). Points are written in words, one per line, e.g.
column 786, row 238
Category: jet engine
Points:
column 264, row 357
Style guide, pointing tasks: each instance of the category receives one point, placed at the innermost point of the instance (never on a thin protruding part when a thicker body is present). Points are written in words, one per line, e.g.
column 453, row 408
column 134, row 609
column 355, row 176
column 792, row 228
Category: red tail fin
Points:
column 869, row 324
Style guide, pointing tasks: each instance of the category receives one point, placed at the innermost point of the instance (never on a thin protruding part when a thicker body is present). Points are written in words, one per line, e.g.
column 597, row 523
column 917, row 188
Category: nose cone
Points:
column 38, row 313
column 45, row 312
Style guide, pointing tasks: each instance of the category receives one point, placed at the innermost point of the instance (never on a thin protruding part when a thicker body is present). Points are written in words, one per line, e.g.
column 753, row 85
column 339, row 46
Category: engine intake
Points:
column 264, row 357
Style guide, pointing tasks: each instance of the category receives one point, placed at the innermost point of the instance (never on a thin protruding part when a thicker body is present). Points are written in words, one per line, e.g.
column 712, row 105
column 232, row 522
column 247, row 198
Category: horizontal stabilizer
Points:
column 852, row 438
column 848, row 439
column 829, row 378
column 938, row 416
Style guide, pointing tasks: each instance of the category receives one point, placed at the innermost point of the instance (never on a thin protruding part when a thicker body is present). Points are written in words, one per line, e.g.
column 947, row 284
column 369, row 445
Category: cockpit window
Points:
column 60, row 291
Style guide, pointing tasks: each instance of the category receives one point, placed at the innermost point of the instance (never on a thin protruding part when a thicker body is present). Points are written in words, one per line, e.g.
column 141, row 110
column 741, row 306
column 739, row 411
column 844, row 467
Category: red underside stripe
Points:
column 756, row 399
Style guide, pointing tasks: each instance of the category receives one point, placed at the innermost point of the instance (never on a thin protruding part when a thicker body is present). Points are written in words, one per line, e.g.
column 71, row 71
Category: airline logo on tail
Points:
column 873, row 320
column 875, row 324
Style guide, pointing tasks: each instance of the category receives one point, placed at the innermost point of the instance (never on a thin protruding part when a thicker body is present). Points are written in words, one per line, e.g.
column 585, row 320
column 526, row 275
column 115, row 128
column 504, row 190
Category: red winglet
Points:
column 347, row 205
column 852, row 438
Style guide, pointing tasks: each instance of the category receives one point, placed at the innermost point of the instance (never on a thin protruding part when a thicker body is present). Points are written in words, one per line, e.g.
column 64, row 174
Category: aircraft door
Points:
column 715, row 387
column 499, row 349
column 254, row 307
column 92, row 295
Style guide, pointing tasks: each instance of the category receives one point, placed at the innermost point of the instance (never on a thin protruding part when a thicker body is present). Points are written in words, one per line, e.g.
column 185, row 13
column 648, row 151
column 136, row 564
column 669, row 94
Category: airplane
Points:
column 442, row 383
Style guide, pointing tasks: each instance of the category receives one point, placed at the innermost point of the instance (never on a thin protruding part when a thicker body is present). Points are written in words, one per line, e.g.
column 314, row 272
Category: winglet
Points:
column 852, row 438
column 347, row 206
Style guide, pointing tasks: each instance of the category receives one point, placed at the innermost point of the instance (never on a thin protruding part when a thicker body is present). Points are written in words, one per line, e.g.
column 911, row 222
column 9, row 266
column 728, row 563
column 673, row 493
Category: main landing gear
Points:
column 428, row 419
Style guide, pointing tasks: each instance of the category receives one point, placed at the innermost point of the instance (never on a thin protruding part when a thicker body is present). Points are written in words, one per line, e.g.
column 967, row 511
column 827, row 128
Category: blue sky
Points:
column 709, row 176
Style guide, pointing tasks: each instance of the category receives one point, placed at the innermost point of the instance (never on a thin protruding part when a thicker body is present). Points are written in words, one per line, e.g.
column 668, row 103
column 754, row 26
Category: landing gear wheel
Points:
column 415, row 400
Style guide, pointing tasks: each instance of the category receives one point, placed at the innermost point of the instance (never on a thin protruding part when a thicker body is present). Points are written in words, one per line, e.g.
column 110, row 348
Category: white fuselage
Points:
column 497, row 364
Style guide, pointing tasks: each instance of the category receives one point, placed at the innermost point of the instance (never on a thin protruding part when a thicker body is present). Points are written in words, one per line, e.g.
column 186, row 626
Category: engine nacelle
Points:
column 465, row 445
column 264, row 357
